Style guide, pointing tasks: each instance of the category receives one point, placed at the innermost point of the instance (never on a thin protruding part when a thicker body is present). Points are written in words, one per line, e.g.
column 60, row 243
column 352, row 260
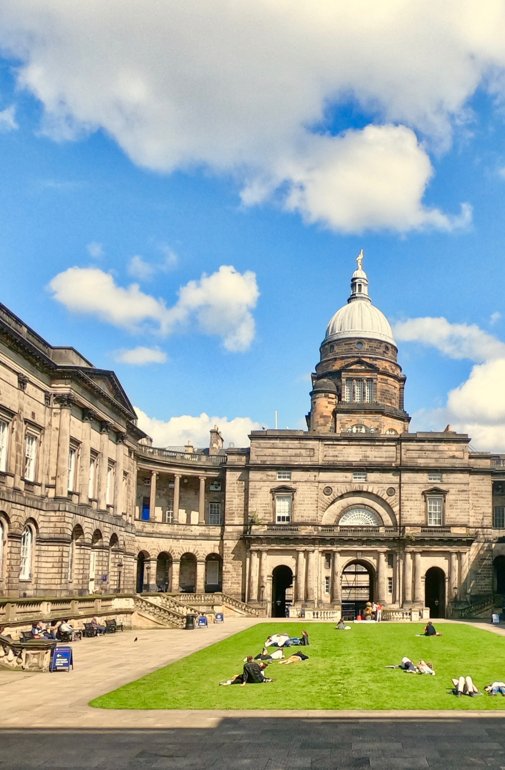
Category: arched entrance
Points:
column 357, row 588
column 499, row 575
column 187, row 574
column 141, row 571
column 213, row 573
column 163, row 571
column 434, row 592
column 282, row 580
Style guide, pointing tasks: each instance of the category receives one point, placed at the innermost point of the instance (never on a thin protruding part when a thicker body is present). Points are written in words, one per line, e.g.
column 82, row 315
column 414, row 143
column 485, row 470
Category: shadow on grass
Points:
column 266, row 743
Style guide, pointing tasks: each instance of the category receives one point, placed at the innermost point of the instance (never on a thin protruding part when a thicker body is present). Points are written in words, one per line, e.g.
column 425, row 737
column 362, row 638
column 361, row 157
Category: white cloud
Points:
column 477, row 405
column 495, row 317
column 8, row 119
column 219, row 304
column 187, row 85
column 178, row 431
column 140, row 269
column 170, row 258
column 457, row 341
column 141, row 356
column 95, row 250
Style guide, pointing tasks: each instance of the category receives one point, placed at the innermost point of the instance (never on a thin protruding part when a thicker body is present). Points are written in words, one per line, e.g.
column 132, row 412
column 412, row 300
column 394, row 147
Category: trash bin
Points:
column 190, row 623
column 495, row 618
column 219, row 617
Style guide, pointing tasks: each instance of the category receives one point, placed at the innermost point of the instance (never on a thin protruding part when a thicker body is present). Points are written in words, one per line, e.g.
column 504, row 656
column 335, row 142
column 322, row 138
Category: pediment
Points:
column 359, row 365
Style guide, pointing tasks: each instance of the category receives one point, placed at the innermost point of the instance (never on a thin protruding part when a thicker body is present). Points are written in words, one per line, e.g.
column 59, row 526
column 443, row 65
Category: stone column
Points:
column 119, row 494
column 407, row 578
column 63, row 449
column 310, row 576
column 176, row 564
column 418, row 583
column 381, row 578
column 201, row 501
column 336, row 589
column 300, row 577
column 103, row 465
column 152, row 496
column 150, row 575
column 177, row 496
column 263, row 576
column 453, row 577
column 200, row 577
column 85, row 456
column 253, row 576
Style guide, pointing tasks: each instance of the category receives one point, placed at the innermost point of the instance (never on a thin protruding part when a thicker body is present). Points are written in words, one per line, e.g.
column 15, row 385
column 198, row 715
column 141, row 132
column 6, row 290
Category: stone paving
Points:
column 45, row 722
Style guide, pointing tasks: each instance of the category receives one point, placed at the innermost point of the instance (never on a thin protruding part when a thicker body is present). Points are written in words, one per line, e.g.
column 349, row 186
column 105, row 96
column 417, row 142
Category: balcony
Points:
column 184, row 458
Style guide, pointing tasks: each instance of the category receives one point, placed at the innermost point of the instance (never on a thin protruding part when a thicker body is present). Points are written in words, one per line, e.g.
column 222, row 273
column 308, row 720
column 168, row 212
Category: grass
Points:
column 345, row 670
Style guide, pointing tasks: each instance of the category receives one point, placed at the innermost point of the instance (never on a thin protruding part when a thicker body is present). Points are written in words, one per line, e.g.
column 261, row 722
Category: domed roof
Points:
column 325, row 385
column 359, row 318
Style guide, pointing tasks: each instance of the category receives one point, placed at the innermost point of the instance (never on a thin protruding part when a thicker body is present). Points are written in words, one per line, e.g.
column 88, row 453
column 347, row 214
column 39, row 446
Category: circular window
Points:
column 327, row 491
column 360, row 345
column 390, row 491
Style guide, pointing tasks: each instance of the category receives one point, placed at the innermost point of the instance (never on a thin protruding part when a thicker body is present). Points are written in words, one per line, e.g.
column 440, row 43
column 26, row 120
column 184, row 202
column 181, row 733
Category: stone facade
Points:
column 354, row 509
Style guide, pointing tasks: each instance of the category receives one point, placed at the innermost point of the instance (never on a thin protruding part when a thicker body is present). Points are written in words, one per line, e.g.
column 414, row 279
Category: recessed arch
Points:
column 282, row 580
column 164, row 571
column 353, row 498
column 357, row 587
column 187, row 573
column 360, row 516
column 434, row 592
column 213, row 573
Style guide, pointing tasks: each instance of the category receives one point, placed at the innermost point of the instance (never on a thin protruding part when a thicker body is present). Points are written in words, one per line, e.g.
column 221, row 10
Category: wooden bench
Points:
column 111, row 626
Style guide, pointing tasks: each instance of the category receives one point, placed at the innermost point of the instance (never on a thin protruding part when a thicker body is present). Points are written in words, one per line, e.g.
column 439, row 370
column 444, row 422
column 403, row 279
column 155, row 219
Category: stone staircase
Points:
column 206, row 602
column 159, row 613
column 478, row 607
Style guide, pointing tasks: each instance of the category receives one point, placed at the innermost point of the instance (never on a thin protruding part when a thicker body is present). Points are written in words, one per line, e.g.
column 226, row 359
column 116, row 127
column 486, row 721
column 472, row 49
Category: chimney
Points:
column 216, row 441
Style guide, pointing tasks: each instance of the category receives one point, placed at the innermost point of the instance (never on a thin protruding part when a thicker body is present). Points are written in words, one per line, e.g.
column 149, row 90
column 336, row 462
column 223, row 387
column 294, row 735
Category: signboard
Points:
column 62, row 659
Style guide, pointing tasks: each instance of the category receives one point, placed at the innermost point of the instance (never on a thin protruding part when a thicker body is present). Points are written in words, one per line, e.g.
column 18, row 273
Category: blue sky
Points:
column 183, row 193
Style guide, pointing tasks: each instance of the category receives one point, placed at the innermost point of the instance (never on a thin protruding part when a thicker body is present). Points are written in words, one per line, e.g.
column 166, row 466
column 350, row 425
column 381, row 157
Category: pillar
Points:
column 263, row 576
column 253, row 576
column 119, row 491
column 381, row 579
column 152, row 496
column 407, row 578
column 336, row 589
column 201, row 501
column 200, row 577
column 103, row 465
column 150, row 575
column 176, row 565
column 300, row 577
column 453, row 576
column 418, row 582
column 63, row 449
column 85, row 457
column 310, row 576
column 177, row 496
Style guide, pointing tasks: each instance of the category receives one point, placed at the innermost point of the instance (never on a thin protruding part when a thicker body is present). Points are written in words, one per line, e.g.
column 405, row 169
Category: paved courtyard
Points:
column 45, row 722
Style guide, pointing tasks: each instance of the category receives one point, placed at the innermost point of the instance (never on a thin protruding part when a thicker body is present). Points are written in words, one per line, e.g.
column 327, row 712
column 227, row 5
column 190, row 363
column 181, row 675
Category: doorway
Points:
column 282, row 580
column 434, row 592
column 141, row 570
column 357, row 588
column 499, row 575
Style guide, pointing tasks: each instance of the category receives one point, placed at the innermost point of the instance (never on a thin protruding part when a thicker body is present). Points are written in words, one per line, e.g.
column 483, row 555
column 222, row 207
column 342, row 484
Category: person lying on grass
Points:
column 464, row 685
column 406, row 665
column 268, row 656
column 296, row 657
column 425, row 668
column 495, row 688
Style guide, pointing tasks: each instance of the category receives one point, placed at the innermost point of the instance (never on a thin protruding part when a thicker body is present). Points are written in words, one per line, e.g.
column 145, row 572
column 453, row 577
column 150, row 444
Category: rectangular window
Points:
column 499, row 517
column 215, row 514
column 4, row 444
column 327, row 584
column 327, row 560
column 31, row 445
column 111, row 476
column 359, row 390
column 435, row 505
column 390, row 585
column 359, row 476
column 212, row 573
column 145, row 513
column 434, row 476
column 283, row 475
column 283, row 505
column 72, row 468
column 93, row 475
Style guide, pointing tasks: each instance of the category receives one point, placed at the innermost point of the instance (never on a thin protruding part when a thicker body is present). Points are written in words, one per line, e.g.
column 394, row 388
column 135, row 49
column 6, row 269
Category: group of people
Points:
column 61, row 630
column 254, row 668
column 371, row 611
column 409, row 667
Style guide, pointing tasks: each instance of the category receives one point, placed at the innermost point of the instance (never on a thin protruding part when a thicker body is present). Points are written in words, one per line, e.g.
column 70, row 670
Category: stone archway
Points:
column 499, row 575
column 357, row 587
column 282, row 580
column 163, row 572
column 141, row 581
column 434, row 592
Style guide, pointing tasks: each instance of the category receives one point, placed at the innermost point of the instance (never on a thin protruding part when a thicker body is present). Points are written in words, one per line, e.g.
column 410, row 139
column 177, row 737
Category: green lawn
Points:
column 345, row 670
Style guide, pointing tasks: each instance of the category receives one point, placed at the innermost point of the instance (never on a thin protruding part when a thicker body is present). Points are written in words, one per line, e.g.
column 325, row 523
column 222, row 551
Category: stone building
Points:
column 353, row 509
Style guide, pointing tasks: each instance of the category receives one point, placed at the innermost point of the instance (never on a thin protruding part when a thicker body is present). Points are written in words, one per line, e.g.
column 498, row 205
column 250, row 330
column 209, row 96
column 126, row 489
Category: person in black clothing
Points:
column 253, row 672
column 430, row 629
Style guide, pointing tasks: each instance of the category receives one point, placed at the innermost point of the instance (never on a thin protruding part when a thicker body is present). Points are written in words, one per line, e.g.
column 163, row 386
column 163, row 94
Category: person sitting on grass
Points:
column 253, row 672
column 495, row 688
column 241, row 678
column 430, row 630
column 296, row 657
column 464, row 685
column 341, row 626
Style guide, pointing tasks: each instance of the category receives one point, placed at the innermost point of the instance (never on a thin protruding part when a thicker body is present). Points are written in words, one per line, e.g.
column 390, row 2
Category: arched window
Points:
column 2, row 547
column 360, row 516
column 25, row 571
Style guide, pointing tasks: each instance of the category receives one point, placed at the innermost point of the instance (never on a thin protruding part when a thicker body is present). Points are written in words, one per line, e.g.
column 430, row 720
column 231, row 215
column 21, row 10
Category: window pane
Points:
column 435, row 510
column 4, row 434
column 30, row 456
column 215, row 513
column 26, row 554
column 283, row 509
column 499, row 517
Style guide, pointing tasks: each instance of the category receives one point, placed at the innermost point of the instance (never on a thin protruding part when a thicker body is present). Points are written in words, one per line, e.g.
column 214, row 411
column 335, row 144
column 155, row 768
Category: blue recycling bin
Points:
column 219, row 617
